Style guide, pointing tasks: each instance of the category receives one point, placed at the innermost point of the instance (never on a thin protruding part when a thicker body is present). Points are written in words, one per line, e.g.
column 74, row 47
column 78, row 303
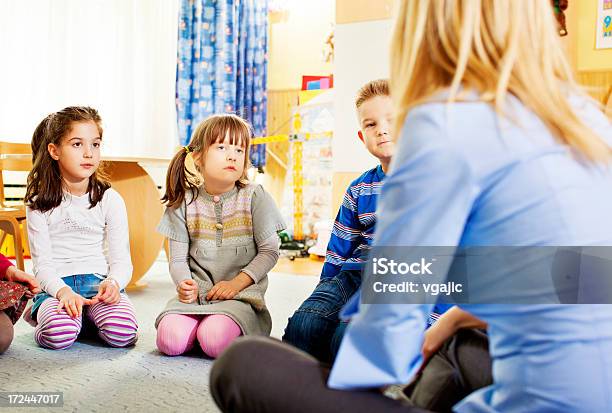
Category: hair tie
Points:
column 187, row 149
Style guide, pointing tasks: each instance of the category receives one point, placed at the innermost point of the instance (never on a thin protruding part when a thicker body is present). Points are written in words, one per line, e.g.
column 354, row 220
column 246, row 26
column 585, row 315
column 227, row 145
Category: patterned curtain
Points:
column 222, row 64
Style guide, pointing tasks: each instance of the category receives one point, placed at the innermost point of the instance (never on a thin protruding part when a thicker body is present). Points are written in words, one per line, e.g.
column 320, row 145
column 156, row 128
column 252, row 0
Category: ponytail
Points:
column 179, row 179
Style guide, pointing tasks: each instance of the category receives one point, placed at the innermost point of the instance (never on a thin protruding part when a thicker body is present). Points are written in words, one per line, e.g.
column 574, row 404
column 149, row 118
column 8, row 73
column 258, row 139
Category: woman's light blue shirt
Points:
column 463, row 175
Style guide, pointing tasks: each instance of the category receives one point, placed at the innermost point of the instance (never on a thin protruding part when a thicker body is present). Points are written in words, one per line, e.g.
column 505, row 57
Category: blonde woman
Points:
column 497, row 146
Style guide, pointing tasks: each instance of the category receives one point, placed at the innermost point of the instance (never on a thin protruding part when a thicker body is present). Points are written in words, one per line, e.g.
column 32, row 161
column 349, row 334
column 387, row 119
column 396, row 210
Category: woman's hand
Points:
column 72, row 302
column 187, row 291
column 16, row 275
column 108, row 292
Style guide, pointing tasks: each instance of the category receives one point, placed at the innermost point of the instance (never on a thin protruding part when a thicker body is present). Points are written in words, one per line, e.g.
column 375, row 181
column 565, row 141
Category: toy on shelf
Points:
column 291, row 248
column 310, row 179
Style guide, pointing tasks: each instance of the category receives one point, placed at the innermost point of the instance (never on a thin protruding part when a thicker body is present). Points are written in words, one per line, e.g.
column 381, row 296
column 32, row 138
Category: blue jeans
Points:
column 315, row 327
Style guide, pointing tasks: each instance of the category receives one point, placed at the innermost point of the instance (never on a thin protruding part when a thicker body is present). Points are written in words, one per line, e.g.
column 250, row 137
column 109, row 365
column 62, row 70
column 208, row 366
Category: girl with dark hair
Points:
column 78, row 233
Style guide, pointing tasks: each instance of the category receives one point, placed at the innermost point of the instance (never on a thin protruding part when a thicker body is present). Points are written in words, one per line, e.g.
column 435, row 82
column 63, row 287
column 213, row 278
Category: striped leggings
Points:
column 116, row 324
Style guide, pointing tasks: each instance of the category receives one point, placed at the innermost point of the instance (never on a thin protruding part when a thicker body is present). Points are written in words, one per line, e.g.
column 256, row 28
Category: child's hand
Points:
column 447, row 325
column 108, row 292
column 435, row 336
column 223, row 290
column 187, row 291
column 71, row 301
column 16, row 275
column 226, row 290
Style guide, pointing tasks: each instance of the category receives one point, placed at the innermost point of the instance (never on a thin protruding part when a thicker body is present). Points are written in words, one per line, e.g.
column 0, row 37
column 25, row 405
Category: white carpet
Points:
column 95, row 378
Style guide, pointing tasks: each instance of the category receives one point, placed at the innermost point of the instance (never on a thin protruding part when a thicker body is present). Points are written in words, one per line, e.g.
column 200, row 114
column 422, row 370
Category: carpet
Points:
column 95, row 378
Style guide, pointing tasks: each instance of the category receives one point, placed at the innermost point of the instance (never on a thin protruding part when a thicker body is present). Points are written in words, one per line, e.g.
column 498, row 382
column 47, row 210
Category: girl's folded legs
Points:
column 115, row 323
column 177, row 333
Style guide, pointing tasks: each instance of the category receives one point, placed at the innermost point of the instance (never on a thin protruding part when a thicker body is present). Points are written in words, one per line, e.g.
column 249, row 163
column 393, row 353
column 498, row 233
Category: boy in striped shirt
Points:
column 315, row 327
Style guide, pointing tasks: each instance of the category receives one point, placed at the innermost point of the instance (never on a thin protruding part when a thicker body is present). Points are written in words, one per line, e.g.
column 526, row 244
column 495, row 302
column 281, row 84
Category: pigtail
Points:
column 45, row 172
column 179, row 179
column 213, row 129
column 38, row 137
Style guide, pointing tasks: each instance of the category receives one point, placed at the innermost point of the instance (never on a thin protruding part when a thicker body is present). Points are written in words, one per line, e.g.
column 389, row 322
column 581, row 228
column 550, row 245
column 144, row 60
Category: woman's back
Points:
column 523, row 189
column 531, row 190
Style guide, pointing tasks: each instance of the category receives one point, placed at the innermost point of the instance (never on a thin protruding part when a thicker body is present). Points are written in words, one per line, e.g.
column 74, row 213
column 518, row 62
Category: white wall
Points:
column 118, row 56
column 362, row 54
column 297, row 41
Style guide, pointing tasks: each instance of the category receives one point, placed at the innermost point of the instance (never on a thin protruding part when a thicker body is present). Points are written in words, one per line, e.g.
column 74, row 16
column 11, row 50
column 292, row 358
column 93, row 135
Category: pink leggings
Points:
column 116, row 324
column 176, row 333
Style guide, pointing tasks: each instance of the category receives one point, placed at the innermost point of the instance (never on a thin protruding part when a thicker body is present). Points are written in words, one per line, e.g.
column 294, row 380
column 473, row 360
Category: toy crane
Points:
column 297, row 140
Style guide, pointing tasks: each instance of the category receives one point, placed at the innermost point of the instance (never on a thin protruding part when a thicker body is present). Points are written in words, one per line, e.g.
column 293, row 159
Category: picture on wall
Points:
column 604, row 25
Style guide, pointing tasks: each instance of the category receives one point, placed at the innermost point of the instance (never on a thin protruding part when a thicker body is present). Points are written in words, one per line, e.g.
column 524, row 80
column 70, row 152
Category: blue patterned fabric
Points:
column 354, row 226
column 222, row 64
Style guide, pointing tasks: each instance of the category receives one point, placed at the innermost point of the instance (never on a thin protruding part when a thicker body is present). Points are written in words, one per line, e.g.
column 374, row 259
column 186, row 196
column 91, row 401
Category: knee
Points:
column 173, row 340
column 216, row 333
column 6, row 337
column 58, row 334
column 116, row 323
column 214, row 349
column 168, row 344
column 299, row 330
column 118, row 332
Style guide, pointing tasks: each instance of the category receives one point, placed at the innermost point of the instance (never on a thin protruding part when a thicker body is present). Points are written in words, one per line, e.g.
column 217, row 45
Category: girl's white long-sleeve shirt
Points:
column 76, row 239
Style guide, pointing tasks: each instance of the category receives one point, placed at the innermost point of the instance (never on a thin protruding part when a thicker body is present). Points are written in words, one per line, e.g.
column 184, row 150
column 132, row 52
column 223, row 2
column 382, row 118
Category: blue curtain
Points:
column 222, row 64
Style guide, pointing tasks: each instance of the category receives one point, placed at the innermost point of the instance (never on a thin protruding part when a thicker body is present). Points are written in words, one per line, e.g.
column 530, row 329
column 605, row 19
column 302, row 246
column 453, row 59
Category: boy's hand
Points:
column 72, row 302
column 187, row 291
column 108, row 292
column 447, row 326
column 223, row 290
column 435, row 336
column 16, row 275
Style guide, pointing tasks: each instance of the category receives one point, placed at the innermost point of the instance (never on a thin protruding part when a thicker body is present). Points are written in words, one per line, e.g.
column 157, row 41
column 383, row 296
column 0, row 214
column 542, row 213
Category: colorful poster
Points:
column 604, row 25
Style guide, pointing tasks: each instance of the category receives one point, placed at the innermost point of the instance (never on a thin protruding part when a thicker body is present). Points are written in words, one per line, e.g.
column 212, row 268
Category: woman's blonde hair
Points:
column 493, row 47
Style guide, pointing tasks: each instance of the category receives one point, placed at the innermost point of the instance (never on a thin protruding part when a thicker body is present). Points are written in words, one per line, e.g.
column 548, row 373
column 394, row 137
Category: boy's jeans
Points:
column 315, row 327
